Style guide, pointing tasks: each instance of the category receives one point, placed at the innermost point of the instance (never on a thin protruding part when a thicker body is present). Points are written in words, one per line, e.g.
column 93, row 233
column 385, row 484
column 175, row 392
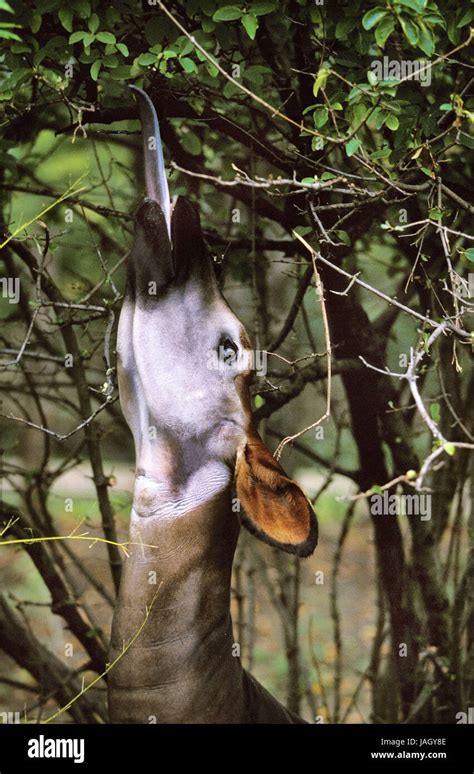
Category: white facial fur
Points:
column 185, row 414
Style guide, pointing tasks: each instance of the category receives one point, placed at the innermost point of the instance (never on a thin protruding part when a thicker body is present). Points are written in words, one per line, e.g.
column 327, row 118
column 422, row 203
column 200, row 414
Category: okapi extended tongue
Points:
column 156, row 183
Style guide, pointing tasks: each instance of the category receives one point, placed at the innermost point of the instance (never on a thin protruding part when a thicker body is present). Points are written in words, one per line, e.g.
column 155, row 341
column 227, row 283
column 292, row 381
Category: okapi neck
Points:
column 182, row 667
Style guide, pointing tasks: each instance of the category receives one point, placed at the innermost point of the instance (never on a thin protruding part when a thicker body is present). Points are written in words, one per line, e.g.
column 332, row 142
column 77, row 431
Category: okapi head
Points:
column 184, row 372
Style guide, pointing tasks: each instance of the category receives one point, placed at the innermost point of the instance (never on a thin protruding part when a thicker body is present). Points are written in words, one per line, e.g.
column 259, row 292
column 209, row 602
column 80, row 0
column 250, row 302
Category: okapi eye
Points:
column 227, row 349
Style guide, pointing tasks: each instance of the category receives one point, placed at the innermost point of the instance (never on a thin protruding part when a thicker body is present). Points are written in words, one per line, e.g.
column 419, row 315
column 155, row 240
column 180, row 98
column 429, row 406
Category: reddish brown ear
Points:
column 276, row 510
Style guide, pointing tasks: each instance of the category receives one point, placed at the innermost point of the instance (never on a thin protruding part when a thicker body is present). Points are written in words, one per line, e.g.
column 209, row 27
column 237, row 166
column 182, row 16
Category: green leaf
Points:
column 469, row 254
column 435, row 412
column 155, row 30
column 426, row 171
column 392, row 122
column 450, row 449
column 186, row 48
column 372, row 78
column 343, row 27
column 465, row 18
column 88, row 39
column 415, row 5
column 20, row 48
column 84, row 8
column 123, row 49
column 106, row 37
column 320, row 80
column 352, row 146
column 435, row 213
column 110, row 61
column 250, row 23
column 208, row 25
column 426, row 40
column 260, row 9
column 211, row 69
column 121, row 73
column 95, row 69
column 303, row 230
column 372, row 17
column 4, row 6
column 256, row 74
column 7, row 35
column 410, row 31
column 384, row 30
column 65, row 17
column 357, row 92
column 144, row 60
column 327, row 176
column 258, row 401
column 227, row 13
column 35, row 23
column 320, row 117
column 383, row 153
column 39, row 56
column 317, row 143
column 188, row 65
column 434, row 18
column 77, row 36
column 51, row 76
column 376, row 489
column 377, row 119
column 308, row 180
column 19, row 76
column 343, row 236
column 359, row 113
column 191, row 143
column 93, row 23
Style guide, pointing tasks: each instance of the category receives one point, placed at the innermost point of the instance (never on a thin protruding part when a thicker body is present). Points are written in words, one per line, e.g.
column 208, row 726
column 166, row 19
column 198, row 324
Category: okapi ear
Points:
column 276, row 510
column 189, row 250
column 150, row 266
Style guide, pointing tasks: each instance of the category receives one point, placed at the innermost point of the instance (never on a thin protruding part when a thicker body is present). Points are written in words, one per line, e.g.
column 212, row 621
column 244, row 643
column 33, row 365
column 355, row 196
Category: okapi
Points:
column 195, row 438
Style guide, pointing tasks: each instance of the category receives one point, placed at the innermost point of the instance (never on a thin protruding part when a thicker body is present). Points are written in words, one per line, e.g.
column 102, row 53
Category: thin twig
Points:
column 108, row 402
column 320, row 297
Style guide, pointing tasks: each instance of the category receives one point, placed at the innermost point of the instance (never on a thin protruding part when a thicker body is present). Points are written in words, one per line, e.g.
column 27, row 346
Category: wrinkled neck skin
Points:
column 181, row 668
